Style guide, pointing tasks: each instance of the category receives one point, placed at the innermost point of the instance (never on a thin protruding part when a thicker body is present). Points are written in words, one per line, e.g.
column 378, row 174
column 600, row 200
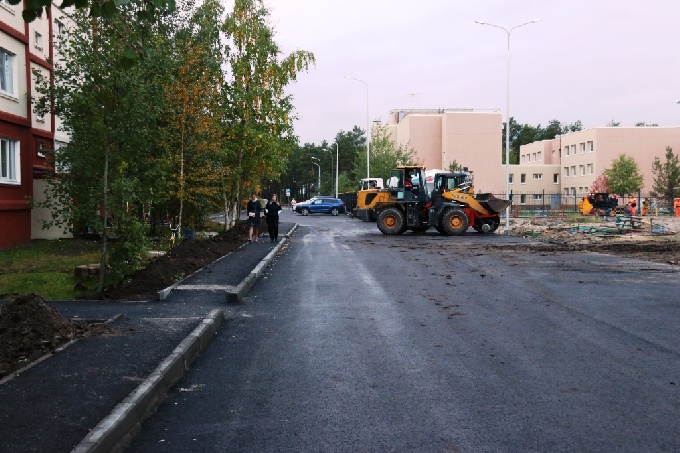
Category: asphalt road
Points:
column 355, row 341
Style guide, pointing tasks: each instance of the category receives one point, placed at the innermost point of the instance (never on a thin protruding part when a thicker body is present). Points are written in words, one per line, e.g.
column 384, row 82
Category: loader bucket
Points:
column 491, row 203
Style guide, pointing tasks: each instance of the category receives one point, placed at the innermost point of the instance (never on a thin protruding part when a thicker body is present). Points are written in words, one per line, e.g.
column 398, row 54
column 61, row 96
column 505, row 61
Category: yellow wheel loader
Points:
column 415, row 201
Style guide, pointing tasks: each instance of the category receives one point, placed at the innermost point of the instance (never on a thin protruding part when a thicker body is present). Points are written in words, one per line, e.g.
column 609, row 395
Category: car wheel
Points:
column 305, row 211
column 334, row 211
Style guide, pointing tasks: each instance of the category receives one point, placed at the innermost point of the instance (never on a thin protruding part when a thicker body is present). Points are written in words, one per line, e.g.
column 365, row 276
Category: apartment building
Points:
column 569, row 164
column 472, row 138
column 549, row 172
column 24, row 135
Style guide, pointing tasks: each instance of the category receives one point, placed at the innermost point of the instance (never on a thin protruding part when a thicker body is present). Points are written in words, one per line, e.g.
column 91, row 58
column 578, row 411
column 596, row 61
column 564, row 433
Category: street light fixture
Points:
column 507, row 117
column 368, row 132
column 318, row 183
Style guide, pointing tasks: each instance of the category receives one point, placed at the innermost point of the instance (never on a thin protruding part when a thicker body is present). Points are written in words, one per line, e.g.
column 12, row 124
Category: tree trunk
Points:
column 104, row 208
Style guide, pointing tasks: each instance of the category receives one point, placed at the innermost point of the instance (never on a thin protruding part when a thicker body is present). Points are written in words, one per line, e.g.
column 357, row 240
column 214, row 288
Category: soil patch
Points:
column 182, row 261
column 29, row 329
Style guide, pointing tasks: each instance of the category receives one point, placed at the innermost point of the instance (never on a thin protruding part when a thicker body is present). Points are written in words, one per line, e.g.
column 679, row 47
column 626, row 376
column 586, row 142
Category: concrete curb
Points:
column 118, row 427
column 237, row 294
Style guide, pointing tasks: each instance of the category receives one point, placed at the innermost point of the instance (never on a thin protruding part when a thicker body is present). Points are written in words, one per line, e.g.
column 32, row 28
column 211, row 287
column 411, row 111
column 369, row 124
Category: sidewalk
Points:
column 94, row 392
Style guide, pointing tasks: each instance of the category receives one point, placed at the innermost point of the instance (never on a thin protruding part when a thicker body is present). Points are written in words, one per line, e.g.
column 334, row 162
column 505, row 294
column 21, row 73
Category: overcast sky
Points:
column 588, row 60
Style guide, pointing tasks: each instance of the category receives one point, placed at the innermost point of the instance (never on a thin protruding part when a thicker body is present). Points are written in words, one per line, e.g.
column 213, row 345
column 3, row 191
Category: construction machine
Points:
column 416, row 201
column 599, row 204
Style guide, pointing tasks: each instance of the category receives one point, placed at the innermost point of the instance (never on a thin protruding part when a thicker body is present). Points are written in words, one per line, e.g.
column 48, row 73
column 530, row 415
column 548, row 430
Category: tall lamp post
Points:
column 318, row 181
column 507, row 117
column 368, row 132
column 337, row 153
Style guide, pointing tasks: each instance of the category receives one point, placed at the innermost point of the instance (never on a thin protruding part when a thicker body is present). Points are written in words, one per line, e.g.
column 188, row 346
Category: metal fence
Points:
column 554, row 204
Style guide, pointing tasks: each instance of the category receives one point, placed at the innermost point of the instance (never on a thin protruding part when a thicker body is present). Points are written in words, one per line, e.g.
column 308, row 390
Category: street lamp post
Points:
column 368, row 132
column 337, row 153
column 507, row 117
column 318, row 181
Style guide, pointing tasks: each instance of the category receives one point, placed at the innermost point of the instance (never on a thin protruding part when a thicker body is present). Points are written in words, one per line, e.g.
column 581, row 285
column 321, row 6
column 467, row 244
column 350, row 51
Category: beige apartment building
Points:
column 470, row 137
column 569, row 164
column 551, row 172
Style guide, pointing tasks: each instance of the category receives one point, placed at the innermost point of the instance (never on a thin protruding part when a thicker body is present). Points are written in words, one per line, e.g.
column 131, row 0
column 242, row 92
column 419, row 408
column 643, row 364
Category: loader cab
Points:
column 407, row 183
column 448, row 182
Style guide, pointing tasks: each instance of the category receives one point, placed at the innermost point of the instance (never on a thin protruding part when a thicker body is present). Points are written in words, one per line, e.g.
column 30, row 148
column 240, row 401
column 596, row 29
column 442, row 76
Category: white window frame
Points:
column 523, row 199
column 582, row 170
column 590, row 169
column 510, row 178
column 566, row 172
column 10, row 162
column 7, row 69
column 523, row 178
column 38, row 41
column 590, row 147
column 573, row 170
column 538, row 197
column 556, row 178
column 538, row 175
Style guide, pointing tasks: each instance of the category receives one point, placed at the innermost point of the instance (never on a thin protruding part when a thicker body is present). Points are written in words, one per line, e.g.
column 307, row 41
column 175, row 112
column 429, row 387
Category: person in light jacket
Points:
column 271, row 211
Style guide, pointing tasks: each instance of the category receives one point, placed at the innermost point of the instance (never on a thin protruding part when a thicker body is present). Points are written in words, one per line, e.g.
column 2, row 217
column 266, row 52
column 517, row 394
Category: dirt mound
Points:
column 30, row 329
column 182, row 261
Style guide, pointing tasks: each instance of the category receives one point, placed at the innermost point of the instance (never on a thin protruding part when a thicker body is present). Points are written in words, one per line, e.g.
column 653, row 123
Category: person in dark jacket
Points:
column 254, row 208
column 271, row 211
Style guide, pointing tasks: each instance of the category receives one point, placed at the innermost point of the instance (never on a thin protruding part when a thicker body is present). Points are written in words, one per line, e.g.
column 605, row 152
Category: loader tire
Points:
column 491, row 225
column 455, row 222
column 391, row 221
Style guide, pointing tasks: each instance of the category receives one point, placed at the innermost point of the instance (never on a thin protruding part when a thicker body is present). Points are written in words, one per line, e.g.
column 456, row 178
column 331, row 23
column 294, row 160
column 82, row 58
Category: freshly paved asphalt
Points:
column 91, row 394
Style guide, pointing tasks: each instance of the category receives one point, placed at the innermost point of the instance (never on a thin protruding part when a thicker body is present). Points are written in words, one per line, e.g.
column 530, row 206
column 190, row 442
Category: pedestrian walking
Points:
column 271, row 211
column 292, row 204
column 254, row 209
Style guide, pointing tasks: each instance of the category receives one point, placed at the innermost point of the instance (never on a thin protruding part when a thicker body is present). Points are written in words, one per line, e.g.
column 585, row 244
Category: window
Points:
column 590, row 147
column 538, row 155
column 523, row 178
column 556, row 178
column 510, row 178
column 566, row 150
column 573, row 191
column 538, row 197
column 582, row 170
column 38, row 41
column 60, row 27
column 534, row 157
column 583, row 147
column 590, row 169
column 6, row 71
column 522, row 199
column 9, row 162
column 566, row 171
column 573, row 149
column 523, row 156
column 573, row 170
column 538, row 175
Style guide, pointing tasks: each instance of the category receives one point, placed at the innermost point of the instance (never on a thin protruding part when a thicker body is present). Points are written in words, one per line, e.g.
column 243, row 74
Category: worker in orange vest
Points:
column 676, row 205
column 633, row 205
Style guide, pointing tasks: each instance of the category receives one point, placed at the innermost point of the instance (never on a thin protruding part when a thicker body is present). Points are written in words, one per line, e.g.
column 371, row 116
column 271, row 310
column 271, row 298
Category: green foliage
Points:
column 110, row 9
column 455, row 166
column 525, row 134
column 643, row 124
column 385, row 155
column 667, row 176
column 255, row 104
column 127, row 255
column 624, row 176
column 613, row 123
